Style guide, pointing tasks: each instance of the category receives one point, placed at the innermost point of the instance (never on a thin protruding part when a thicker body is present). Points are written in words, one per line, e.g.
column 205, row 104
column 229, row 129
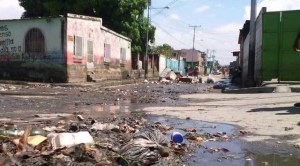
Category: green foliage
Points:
column 123, row 16
column 164, row 49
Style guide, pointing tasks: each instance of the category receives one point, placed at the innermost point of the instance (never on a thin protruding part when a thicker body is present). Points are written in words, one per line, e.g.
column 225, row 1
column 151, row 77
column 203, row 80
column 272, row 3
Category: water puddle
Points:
column 234, row 153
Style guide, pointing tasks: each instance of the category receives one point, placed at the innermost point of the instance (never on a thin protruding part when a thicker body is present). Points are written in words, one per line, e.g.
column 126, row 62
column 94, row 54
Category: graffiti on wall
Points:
column 8, row 49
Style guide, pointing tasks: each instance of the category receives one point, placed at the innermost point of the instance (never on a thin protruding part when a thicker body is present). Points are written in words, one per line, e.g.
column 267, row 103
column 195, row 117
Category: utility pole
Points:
column 146, row 57
column 251, row 61
column 147, row 39
column 195, row 26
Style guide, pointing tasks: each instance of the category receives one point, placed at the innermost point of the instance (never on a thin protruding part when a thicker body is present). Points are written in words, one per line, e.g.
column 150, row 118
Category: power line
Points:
column 168, row 5
column 170, row 34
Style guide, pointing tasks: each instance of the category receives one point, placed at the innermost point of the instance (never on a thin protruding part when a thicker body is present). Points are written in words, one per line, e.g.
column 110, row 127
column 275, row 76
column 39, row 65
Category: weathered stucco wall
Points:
column 100, row 53
column 62, row 49
column 17, row 60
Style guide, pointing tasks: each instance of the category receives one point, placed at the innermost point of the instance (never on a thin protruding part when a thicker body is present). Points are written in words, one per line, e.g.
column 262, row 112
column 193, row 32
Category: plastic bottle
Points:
column 21, row 132
column 59, row 140
column 177, row 137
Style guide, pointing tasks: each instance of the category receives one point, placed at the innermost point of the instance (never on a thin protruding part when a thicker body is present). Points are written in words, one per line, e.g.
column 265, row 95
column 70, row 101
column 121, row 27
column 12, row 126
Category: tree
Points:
column 164, row 49
column 123, row 16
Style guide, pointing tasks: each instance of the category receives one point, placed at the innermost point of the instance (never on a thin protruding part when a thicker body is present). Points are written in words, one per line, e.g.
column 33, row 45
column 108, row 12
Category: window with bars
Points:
column 107, row 53
column 78, row 45
column 122, row 56
column 35, row 42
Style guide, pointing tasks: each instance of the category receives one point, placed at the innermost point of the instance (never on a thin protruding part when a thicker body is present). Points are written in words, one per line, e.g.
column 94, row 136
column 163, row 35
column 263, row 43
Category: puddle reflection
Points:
column 237, row 155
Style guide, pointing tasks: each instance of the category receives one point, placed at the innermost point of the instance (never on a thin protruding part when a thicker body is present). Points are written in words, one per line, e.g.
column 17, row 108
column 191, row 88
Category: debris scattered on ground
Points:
column 288, row 128
column 243, row 132
column 177, row 137
column 297, row 145
column 264, row 163
column 185, row 79
column 210, row 79
column 124, row 140
column 221, row 85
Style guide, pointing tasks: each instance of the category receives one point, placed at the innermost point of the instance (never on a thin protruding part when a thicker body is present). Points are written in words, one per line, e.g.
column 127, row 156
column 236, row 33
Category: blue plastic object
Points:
column 177, row 137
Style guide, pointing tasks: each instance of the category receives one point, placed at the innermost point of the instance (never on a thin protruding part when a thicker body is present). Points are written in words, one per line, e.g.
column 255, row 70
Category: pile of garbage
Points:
column 87, row 141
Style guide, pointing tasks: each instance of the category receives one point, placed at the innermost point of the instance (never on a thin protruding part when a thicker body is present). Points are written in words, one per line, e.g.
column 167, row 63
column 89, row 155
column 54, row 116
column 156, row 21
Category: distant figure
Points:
column 196, row 71
column 186, row 69
column 223, row 72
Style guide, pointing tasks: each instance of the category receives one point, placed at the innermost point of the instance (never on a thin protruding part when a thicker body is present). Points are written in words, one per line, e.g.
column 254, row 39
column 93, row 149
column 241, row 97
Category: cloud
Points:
column 202, row 8
column 274, row 5
column 223, row 40
column 219, row 5
column 10, row 9
column 174, row 17
column 228, row 28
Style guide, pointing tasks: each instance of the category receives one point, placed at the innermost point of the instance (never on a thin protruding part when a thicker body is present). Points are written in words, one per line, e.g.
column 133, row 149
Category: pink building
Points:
column 70, row 48
column 193, row 58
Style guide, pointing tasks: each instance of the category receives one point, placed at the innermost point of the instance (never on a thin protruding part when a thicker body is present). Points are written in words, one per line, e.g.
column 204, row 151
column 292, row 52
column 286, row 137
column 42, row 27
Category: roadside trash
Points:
column 192, row 136
column 146, row 81
column 163, row 129
column 177, row 137
column 185, row 79
column 165, row 81
column 210, row 79
column 189, row 130
column 21, row 132
column 59, row 140
column 80, row 117
column 168, row 74
column 145, row 148
column 288, row 128
column 211, row 150
column 220, row 85
column 172, row 76
column 36, row 140
column 297, row 145
column 33, row 140
column 104, row 126
column 243, row 132
column 73, row 127
column 219, row 134
column 265, row 163
column 165, row 73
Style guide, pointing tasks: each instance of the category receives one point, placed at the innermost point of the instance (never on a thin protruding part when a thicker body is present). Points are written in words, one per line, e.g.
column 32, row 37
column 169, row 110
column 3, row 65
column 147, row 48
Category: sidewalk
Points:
column 267, row 116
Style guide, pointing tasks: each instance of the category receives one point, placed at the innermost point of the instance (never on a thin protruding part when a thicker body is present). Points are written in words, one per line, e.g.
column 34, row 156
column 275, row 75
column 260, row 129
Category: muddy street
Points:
column 132, row 110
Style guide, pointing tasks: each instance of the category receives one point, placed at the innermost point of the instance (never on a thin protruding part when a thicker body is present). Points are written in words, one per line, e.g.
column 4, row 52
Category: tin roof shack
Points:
column 62, row 49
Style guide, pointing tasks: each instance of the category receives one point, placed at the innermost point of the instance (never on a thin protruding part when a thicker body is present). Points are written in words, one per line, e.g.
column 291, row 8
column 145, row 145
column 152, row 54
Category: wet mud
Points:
column 44, row 104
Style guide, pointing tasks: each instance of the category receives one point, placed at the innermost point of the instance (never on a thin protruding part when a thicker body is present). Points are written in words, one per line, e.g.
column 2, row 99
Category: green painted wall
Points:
column 279, row 60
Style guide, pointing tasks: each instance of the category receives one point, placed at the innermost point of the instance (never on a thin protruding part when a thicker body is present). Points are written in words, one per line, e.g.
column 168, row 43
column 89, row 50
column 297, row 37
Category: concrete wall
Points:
column 74, row 47
column 162, row 63
column 99, row 66
column 15, row 63
column 258, row 47
column 245, row 59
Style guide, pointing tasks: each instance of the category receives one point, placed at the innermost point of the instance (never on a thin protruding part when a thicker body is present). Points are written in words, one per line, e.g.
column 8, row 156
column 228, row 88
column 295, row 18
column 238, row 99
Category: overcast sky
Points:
column 220, row 21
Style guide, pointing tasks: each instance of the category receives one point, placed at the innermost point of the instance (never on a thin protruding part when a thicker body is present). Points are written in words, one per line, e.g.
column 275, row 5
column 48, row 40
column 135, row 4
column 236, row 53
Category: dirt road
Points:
column 263, row 117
